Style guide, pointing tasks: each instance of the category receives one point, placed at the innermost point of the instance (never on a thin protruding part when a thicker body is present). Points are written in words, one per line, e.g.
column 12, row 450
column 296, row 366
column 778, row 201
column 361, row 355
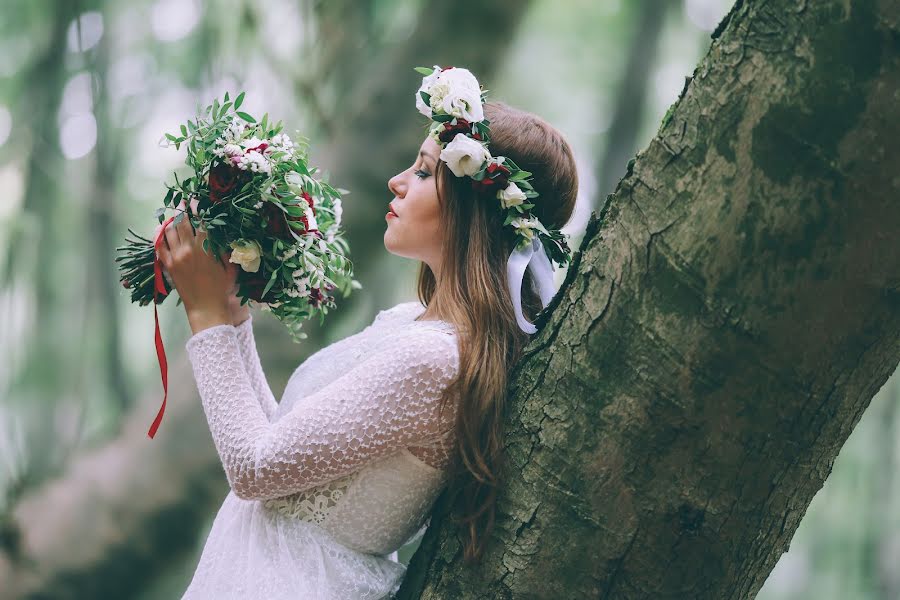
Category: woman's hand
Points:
column 238, row 313
column 203, row 283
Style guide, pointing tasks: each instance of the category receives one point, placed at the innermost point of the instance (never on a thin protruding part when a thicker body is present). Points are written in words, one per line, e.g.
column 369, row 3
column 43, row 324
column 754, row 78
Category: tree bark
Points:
column 726, row 322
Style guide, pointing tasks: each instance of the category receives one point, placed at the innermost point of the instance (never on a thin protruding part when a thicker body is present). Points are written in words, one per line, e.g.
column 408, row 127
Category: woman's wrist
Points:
column 204, row 318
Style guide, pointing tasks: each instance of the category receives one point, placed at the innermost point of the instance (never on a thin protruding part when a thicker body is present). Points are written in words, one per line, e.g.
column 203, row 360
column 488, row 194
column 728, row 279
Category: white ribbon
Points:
column 535, row 258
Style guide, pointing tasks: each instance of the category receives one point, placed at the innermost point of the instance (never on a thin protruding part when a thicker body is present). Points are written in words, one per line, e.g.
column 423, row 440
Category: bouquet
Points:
column 252, row 190
column 254, row 193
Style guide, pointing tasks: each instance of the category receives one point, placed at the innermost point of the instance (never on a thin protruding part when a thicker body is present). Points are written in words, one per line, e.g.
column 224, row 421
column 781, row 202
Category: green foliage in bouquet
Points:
column 254, row 193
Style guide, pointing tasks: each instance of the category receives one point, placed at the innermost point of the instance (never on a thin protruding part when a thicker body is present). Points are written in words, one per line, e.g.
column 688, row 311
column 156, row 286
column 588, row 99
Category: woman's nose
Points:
column 394, row 184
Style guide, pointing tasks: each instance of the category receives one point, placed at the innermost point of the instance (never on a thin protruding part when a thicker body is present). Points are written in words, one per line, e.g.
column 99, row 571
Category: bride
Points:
column 327, row 483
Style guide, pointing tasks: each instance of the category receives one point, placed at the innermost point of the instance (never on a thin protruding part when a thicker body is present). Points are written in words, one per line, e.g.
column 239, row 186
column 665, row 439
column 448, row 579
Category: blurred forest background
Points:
column 88, row 88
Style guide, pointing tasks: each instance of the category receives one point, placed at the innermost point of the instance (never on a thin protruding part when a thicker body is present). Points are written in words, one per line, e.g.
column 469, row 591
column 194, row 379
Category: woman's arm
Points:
column 250, row 357
column 387, row 402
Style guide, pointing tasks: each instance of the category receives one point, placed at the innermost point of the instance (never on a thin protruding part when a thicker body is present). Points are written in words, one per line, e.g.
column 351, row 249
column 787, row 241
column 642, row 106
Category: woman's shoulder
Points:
column 401, row 310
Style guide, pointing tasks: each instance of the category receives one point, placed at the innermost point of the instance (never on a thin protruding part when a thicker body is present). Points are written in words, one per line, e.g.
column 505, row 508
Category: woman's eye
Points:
column 422, row 174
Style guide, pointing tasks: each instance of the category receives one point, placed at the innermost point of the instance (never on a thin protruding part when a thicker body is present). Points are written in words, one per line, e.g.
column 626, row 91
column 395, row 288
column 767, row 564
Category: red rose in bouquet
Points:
column 223, row 179
column 278, row 219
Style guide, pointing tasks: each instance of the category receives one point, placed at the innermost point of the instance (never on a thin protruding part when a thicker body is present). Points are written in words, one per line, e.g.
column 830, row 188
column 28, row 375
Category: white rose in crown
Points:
column 454, row 92
column 511, row 196
column 427, row 82
column 246, row 253
column 464, row 155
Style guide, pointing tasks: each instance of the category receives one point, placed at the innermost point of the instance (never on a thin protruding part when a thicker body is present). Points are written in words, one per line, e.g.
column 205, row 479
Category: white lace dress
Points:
column 329, row 482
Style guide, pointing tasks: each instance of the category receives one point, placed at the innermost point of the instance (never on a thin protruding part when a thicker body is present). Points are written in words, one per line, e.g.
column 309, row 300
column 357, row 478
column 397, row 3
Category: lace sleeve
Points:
column 387, row 402
column 250, row 358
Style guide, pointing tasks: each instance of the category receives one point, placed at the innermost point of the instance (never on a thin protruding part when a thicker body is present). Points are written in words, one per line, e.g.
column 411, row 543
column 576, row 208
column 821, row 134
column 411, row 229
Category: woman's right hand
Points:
column 238, row 313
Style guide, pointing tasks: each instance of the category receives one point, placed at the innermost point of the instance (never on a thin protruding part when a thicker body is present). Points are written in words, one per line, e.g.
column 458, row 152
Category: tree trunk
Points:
column 725, row 324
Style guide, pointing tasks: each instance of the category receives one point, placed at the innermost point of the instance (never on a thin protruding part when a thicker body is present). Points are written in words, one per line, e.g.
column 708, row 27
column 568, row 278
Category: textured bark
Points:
column 725, row 324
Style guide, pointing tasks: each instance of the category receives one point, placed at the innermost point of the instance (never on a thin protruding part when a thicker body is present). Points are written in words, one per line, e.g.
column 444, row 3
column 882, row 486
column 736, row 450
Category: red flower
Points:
column 450, row 131
column 223, row 178
column 261, row 148
column 254, row 284
column 496, row 178
column 310, row 201
column 278, row 220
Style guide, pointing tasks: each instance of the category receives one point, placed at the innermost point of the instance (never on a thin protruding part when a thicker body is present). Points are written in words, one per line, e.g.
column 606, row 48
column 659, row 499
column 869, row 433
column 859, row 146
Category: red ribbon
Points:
column 159, row 288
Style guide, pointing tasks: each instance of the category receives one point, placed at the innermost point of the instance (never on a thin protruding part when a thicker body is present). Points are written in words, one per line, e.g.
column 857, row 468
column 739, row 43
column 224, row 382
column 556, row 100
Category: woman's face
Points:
column 415, row 231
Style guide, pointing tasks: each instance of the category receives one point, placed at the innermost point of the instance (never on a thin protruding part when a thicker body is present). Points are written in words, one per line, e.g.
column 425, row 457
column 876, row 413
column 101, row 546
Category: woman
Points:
column 344, row 470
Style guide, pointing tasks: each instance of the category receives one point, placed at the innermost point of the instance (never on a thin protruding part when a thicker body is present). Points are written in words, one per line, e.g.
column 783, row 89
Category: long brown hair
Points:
column 475, row 297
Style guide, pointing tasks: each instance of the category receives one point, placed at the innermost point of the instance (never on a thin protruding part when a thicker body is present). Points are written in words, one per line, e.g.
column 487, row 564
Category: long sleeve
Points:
column 250, row 358
column 388, row 401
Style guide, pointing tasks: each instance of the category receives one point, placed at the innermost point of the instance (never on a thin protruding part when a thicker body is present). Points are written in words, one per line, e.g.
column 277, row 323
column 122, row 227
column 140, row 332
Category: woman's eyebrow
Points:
column 423, row 153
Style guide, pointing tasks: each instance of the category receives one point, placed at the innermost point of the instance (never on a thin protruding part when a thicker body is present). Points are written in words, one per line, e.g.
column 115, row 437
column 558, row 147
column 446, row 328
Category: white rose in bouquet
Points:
column 246, row 253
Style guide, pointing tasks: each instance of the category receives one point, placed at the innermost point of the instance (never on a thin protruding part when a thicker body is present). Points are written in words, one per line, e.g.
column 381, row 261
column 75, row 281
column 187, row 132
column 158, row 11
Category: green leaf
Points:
column 246, row 117
column 159, row 212
column 184, row 130
column 218, row 222
column 424, row 71
column 168, row 199
column 238, row 101
column 226, row 96
column 269, row 285
column 178, row 219
column 171, row 137
column 426, row 97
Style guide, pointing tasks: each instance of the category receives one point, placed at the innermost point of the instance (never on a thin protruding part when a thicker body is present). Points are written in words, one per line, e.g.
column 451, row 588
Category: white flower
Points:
column 338, row 211
column 527, row 226
column 255, row 162
column 282, row 143
column 246, row 253
column 464, row 155
column 511, row 196
column 427, row 82
column 301, row 282
column 310, row 218
column 234, row 130
column 252, row 142
column 456, row 92
column 524, row 226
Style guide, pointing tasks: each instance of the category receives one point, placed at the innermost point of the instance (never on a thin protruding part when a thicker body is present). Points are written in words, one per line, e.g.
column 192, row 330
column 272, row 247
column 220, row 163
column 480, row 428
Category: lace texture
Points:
column 344, row 470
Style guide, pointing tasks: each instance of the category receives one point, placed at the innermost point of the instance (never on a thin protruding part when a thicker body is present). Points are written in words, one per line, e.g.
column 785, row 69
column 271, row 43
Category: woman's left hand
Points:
column 203, row 283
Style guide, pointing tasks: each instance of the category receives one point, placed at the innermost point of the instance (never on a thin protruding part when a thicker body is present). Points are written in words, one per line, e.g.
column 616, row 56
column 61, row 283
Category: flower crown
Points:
column 452, row 98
